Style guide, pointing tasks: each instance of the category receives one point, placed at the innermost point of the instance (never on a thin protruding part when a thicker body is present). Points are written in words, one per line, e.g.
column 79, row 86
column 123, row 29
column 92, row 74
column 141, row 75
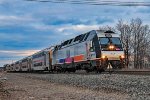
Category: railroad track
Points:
column 133, row 72
column 94, row 73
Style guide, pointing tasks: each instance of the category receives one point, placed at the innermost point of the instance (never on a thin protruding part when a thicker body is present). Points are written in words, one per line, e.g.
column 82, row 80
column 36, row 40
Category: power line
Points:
column 95, row 2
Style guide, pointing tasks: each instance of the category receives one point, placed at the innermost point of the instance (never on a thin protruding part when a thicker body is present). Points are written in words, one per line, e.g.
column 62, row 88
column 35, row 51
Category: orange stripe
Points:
column 80, row 60
column 78, row 57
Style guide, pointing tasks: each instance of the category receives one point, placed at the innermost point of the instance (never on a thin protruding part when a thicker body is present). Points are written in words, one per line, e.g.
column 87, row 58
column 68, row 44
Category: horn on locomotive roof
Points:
column 105, row 31
column 109, row 31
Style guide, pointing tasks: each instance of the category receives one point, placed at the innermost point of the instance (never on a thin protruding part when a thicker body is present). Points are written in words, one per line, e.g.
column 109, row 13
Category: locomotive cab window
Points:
column 105, row 42
column 116, row 40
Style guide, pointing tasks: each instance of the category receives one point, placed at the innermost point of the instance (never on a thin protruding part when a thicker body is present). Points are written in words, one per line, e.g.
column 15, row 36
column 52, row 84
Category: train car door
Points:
column 95, row 48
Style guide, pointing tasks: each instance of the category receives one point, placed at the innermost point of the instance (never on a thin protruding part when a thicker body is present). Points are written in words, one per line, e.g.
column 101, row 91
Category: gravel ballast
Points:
column 136, row 86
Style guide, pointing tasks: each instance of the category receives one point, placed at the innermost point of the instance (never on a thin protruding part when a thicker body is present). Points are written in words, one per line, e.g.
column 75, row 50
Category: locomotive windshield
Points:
column 105, row 42
column 113, row 40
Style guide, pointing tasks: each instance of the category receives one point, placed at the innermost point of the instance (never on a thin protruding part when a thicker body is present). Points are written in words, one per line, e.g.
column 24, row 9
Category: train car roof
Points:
column 28, row 57
column 17, row 62
column 12, row 64
column 44, row 50
column 5, row 65
column 38, row 52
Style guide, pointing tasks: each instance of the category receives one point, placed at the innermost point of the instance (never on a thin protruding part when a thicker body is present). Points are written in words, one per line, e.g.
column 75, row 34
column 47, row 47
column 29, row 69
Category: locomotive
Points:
column 91, row 51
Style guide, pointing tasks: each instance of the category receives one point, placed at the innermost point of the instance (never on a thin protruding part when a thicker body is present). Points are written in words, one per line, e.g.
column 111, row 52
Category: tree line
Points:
column 136, row 41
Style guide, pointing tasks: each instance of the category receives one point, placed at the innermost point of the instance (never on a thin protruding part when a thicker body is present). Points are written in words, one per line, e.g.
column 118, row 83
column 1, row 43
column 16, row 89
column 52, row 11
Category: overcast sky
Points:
column 27, row 27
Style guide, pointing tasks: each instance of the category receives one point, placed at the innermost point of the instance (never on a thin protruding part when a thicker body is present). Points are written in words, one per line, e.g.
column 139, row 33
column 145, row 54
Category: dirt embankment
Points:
column 4, row 94
column 20, row 87
column 33, row 86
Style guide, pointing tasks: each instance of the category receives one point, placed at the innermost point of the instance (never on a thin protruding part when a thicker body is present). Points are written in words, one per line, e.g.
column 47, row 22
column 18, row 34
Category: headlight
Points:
column 111, row 47
column 122, row 56
column 103, row 57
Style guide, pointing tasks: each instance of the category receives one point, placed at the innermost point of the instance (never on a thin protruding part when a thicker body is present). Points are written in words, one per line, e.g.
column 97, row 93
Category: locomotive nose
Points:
column 114, row 55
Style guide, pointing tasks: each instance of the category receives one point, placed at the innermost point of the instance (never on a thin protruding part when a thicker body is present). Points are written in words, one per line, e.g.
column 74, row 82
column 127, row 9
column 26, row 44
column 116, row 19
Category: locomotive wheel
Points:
column 64, row 70
column 87, row 71
column 74, row 70
column 71, row 70
column 99, row 70
column 58, row 69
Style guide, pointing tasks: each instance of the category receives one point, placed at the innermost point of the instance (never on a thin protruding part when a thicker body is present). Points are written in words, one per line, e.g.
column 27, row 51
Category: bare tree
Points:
column 125, row 31
column 135, row 38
